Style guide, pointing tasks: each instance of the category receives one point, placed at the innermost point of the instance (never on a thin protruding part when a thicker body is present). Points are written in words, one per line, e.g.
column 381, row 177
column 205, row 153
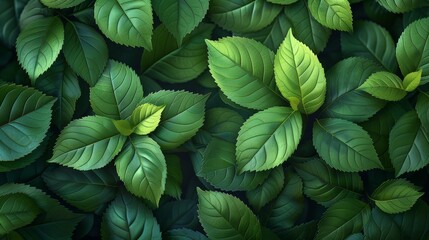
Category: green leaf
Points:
column 344, row 145
column 422, row 109
column 243, row 15
column 223, row 123
column 146, row 118
column 243, row 69
column 39, row 44
column 181, row 17
column 33, row 11
column 85, row 190
column 299, row 75
column 370, row 40
column 334, row 14
column 268, row 190
column 182, row 117
column 128, row 218
column 407, row 221
column 303, row 231
column 87, row 143
column 268, row 138
column 142, row 168
column 185, row 234
column 327, row 186
column 127, row 22
column 117, row 92
column 173, row 184
column 61, row 3
column 408, row 144
column 9, row 18
column 16, row 210
column 412, row 80
column 401, row 6
column 282, row 2
column 124, row 127
column 224, row 216
column 382, row 226
column 343, row 219
column 396, row 196
column 85, row 51
column 25, row 116
column 177, row 214
column 412, row 50
column 384, row 85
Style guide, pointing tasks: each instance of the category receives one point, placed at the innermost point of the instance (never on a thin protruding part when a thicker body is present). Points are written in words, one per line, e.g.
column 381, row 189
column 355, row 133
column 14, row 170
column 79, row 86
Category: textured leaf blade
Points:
column 384, row 85
column 268, row 190
column 401, row 6
column 173, row 184
column 412, row 80
column 61, row 3
column 332, row 14
column 9, row 17
column 146, row 118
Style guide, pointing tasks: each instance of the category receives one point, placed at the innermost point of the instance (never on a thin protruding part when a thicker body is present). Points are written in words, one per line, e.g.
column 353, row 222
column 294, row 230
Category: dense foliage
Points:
column 220, row 119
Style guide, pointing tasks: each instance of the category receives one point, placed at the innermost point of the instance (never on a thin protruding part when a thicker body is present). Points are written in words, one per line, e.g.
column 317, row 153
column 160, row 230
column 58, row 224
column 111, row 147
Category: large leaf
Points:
column 39, row 44
column 243, row 15
column 61, row 3
column 327, row 186
column 299, row 75
column 224, row 216
column 9, row 19
column 401, row 6
column 182, row 117
column 25, row 116
column 412, row 50
column 16, row 210
column 334, row 14
column 343, row 219
column 408, row 144
column 128, row 218
column 87, row 143
column 181, row 17
column 396, row 196
column 344, row 145
column 268, row 138
column 117, row 93
column 85, row 51
column 127, row 22
column 243, row 69
column 268, row 190
column 142, row 168
column 385, row 86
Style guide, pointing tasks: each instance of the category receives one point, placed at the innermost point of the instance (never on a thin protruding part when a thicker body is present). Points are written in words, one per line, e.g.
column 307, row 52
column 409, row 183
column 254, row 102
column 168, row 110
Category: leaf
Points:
column 419, row 213
column 85, row 190
column 268, row 190
column 408, row 144
column 182, row 117
column 224, row 216
column 412, row 80
column 61, row 3
column 177, row 214
column 39, row 44
column 422, row 109
column 268, row 138
column 344, row 145
column 381, row 226
column 412, row 49
column 370, row 40
column 85, row 51
column 299, row 75
column 283, row 2
column 327, row 186
column 401, row 6
column 25, row 116
column 181, row 17
column 173, row 184
column 16, row 210
column 303, row 231
column 223, row 123
column 142, row 168
column 334, row 14
column 88, row 143
column 343, row 219
column 185, row 234
column 146, row 118
column 384, row 85
column 128, row 218
column 127, row 22
column 117, row 92
column 343, row 100
column 243, row 15
column 396, row 196
column 124, row 127
column 9, row 16
column 33, row 11
column 243, row 69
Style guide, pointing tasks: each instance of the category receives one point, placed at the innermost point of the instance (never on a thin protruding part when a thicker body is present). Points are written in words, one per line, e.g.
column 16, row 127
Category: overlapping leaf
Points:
column 385, row 86
column 16, row 210
column 332, row 14
column 61, row 3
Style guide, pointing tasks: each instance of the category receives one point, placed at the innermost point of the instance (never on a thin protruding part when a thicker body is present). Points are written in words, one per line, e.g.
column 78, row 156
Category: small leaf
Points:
column 412, row 80
column 384, row 85
column 334, row 14
column 61, row 3
column 145, row 118
column 124, row 127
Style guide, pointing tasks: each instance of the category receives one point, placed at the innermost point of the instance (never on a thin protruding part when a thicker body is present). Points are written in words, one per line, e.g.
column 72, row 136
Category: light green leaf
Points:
column 85, row 51
column 117, row 92
column 401, row 6
column 181, row 17
column 268, row 190
column 128, row 218
column 343, row 219
column 344, row 145
column 299, row 75
column 87, row 143
column 218, row 210
column 142, row 168
column 412, row 80
column 182, row 117
column 334, row 14
column 39, row 44
column 243, row 15
column 9, row 18
column 146, row 118
column 173, row 184
column 61, row 3
column 127, row 22
column 384, row 85
column 243, row 69
column 124, row 127
column 412, row 50
column 408, row 144
column 327, row 186
column 25, row 116
column 396, row 196
column 16, row 210
column 268, row 138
